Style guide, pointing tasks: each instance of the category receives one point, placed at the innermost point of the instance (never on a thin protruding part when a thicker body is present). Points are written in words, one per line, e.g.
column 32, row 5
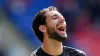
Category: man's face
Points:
column 56, row 26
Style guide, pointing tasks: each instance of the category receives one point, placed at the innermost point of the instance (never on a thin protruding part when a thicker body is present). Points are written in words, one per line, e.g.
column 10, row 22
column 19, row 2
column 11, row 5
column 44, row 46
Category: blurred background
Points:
column 17, row 38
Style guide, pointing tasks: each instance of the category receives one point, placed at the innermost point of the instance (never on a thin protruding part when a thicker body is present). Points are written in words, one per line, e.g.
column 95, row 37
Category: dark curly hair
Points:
column 39, row 19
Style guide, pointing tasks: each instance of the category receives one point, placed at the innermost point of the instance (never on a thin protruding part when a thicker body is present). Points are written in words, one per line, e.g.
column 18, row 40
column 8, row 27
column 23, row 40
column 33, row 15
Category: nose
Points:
column 62, row 19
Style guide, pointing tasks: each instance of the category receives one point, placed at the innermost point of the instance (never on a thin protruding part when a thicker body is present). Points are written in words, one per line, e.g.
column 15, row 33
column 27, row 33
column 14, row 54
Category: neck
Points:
column 52, row 47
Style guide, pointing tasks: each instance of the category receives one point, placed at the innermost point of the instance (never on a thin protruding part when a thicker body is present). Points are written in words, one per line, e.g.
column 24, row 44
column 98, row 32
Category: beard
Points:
column 53, row 34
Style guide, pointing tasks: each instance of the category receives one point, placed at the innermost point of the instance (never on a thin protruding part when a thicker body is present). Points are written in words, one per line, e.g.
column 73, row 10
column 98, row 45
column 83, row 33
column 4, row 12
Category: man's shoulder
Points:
column 74, row 51
column 34, row 52
column 71, row 51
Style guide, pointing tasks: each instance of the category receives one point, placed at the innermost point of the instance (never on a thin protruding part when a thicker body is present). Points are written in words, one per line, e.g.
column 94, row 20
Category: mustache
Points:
column 61, row 23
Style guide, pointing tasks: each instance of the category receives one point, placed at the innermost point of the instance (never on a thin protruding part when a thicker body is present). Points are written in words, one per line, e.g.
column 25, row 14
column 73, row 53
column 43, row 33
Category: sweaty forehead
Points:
column 51, row 13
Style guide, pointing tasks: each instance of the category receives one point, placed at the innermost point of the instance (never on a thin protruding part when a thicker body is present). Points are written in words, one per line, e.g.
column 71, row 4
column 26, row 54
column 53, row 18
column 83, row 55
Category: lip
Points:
column 61, row 32
column 61, row 24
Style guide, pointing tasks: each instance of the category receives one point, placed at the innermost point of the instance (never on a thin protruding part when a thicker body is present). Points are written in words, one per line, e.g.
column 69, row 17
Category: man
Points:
column 50, row 28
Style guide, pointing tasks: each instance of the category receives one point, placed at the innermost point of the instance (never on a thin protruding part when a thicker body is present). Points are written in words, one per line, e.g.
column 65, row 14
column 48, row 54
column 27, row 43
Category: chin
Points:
column 60, row 37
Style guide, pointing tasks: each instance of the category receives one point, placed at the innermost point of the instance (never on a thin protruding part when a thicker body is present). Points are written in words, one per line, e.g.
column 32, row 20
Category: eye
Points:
column 54, row 17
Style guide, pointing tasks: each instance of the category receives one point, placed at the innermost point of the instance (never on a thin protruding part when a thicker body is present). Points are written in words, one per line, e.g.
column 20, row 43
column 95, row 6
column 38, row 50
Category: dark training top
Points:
column 67, row 51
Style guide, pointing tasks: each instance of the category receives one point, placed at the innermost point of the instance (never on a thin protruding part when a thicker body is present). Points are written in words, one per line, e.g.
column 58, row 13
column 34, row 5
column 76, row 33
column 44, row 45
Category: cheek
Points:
column 52, row 24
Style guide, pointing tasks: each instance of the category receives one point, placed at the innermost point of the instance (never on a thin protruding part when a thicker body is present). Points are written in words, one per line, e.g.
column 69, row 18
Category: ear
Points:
column 42, row 28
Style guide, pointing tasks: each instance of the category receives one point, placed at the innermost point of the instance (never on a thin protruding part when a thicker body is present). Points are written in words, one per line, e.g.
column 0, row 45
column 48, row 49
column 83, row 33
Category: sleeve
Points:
column 80, row 53
column 32, row 54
